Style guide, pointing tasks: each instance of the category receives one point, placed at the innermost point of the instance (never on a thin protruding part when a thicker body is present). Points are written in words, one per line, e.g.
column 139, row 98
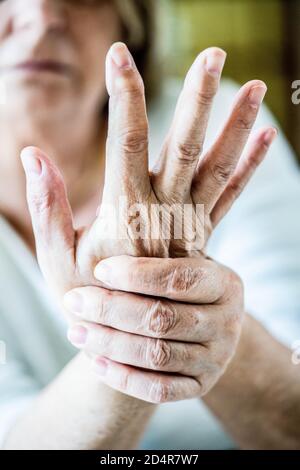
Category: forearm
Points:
column 77, row 411
column 258, row 398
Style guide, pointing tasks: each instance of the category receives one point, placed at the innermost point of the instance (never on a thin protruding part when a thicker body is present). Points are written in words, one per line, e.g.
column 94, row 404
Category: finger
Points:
column 192, row 280
column 139, row 351
column 151, row 317
column 49, row 209
column 186, row 137
column 127, row 143
column 217, row 166
column 151, row 387
column 243, row 173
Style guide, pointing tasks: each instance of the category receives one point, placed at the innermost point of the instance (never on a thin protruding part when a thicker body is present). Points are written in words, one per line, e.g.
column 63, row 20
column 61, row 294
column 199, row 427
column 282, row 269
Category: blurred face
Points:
column 52, row 54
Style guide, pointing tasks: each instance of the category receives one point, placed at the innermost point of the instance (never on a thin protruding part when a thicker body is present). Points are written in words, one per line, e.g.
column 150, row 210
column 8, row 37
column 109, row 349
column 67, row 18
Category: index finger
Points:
column 193, row 280
column 145, row 316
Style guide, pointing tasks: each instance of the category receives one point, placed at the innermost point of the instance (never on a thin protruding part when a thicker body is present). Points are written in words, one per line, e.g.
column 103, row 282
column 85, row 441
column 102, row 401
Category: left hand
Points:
column 67, row 256
column 153, row 348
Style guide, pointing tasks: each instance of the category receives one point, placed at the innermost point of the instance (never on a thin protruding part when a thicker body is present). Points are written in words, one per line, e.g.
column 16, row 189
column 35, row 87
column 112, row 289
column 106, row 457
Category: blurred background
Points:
column 261, row 38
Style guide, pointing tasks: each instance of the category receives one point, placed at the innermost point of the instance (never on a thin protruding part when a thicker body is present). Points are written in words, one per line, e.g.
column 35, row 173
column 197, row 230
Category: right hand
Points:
column 67, row 256
column 165, row 332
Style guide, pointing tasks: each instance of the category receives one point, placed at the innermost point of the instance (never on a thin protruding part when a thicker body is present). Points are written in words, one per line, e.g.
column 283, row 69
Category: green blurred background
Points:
column 261, row 38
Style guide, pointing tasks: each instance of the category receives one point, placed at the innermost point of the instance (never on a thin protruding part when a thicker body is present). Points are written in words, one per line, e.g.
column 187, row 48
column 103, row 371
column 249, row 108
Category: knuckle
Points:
column 183, row 280
column 221, row 173
column 188, row 152
column 187, row 357
column 236, row 187
column 135, row 89
column 205, row 97
column 160, row 392
column 243, row 123
column 158, row 354
column 42, row 202
column 162, row 318
column 132, row 142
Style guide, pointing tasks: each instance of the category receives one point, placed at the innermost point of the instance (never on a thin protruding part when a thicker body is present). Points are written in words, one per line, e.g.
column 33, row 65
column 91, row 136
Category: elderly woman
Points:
column 157, row 322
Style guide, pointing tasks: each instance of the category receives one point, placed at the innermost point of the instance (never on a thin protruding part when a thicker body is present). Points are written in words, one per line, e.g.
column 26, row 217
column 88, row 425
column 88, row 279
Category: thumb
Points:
column 51, row 216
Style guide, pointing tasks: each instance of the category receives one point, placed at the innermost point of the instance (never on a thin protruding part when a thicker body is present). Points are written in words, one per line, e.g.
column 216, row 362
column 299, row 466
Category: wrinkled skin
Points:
column 68, row 257
column 133, row 356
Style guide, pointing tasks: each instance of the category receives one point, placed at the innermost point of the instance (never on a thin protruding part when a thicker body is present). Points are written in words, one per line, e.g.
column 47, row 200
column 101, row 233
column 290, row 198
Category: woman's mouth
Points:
column 42, row 66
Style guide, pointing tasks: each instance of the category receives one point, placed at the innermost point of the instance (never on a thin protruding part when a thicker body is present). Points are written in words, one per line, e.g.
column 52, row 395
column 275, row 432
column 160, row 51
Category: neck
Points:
column 77, row 150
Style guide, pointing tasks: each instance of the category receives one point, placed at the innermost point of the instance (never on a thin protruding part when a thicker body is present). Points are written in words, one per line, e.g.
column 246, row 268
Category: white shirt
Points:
column 259, row 239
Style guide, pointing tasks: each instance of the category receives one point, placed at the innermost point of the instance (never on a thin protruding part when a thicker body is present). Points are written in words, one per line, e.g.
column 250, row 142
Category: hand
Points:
column 67, row 256
column 168, row 335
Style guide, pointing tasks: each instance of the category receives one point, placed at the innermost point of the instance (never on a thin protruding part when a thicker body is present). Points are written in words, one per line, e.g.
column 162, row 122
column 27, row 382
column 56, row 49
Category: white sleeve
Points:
column 260, row 237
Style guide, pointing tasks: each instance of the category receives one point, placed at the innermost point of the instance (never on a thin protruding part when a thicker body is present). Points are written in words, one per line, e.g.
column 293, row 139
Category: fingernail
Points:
column 103, row 273
column 73, row 301
column 257, row 95
column 77, row 335
column 215, row 62
column 121, row 56
column 270, row 136
column 100, row 366
column 31, row 163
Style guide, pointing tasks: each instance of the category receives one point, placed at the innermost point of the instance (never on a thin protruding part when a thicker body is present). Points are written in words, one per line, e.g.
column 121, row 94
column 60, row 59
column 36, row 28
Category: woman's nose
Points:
column 39, row 14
